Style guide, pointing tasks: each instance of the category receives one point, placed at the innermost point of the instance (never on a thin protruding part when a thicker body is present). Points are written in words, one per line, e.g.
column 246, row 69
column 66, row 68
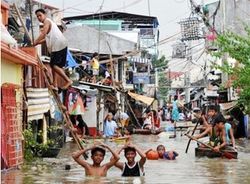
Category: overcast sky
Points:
column 168, row 12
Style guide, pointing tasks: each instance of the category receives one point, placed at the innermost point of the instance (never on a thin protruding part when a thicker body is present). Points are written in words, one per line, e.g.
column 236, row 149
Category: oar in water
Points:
column 223, row 153
column 192, row 135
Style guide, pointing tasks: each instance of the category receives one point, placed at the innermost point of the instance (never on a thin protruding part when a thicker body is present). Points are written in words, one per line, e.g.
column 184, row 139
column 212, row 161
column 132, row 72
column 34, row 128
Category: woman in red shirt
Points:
column 155, row 120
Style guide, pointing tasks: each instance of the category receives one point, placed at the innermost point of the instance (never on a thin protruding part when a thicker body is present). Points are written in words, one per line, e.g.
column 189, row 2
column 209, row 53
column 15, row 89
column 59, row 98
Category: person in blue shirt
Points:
column 229, row 132
column 110, row 126
column 175, row 110
column 168, row 155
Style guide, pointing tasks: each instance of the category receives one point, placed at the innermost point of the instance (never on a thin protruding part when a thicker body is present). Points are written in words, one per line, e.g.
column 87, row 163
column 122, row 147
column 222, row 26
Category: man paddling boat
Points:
column 216, row 133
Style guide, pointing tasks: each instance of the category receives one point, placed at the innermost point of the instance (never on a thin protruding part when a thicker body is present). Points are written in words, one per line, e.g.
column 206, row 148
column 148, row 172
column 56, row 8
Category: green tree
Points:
column 163, row 88
column 160, row 63
column 237, row 47
column 163, row 83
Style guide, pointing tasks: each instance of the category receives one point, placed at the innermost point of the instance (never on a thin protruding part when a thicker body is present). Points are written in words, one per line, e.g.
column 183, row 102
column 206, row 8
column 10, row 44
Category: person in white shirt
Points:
column 57, row 47
column 146, row 121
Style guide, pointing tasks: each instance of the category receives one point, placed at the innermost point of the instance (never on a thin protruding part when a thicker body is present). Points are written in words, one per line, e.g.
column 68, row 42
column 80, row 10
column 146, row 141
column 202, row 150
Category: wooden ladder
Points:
column 52, row 92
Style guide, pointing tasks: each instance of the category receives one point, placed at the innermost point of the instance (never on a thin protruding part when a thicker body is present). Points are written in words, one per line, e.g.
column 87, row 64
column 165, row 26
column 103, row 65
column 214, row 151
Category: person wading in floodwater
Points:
column 175, row 112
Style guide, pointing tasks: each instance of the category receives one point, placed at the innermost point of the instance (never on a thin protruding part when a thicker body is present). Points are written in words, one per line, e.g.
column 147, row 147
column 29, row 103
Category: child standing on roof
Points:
column 95, row 66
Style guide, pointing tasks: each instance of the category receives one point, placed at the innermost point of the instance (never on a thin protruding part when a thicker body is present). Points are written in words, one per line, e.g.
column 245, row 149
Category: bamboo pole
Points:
column 130, row 108
column 112, row 65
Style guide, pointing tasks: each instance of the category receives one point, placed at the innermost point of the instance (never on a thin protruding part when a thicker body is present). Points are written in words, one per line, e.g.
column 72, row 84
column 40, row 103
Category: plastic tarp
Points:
column 70, row 60
column 6, row 37
column 141, row 98
column 229, row 105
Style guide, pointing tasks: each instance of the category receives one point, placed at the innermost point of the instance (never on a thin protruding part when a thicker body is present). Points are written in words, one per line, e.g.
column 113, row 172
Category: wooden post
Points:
column 98, row 111
column 23, row 25
column 44, row 130
column 111, row 65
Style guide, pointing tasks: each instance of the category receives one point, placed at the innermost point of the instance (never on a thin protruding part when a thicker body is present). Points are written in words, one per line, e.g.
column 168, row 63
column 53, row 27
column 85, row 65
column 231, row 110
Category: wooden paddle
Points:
column 197, row 123
column 223, row 153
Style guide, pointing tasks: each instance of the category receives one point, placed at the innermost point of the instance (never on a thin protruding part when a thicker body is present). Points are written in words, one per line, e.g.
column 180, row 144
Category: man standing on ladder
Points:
column 57, row 47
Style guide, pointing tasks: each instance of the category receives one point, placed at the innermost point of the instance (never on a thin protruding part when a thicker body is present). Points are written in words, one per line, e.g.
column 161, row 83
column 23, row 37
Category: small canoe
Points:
column 207, row 152
column 147, row 131
column 120, row 139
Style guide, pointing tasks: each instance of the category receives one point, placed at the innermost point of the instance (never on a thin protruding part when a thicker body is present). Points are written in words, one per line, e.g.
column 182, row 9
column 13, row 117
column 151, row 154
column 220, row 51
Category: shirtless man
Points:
column 57, row 47
column 97, row 155
column 217, row 135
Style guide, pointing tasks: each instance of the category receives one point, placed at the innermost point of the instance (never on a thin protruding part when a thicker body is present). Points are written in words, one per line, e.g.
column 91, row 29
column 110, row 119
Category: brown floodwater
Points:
column 185, row 169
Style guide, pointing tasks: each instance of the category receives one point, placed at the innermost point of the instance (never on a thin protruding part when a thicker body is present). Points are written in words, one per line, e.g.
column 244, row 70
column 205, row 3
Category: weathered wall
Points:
column 87, row 40
column 11, row 72
column 236, row 12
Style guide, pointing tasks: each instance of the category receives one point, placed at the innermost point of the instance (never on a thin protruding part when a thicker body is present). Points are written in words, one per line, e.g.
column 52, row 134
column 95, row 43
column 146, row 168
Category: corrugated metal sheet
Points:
column 38, row 102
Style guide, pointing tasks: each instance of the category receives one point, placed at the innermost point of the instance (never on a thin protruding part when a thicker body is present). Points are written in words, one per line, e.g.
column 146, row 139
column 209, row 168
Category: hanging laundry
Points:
column 74, row 102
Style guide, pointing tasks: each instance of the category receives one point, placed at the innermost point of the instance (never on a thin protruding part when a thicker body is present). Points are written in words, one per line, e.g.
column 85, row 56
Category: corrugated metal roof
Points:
column 38, row 102
column 114, row 15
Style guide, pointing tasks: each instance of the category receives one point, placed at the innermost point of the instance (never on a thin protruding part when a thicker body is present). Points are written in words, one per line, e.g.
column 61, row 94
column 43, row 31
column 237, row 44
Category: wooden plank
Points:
column 45, row 131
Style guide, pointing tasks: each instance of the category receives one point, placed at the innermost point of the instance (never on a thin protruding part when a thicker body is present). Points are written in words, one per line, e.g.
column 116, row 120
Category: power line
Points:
column 71, row 7
column 129, row 5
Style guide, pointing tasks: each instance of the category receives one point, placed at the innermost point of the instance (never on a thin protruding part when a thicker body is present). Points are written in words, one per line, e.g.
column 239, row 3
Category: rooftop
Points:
column 113, row 15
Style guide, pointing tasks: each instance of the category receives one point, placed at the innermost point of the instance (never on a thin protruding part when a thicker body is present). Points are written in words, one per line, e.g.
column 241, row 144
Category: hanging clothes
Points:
column 74, row 102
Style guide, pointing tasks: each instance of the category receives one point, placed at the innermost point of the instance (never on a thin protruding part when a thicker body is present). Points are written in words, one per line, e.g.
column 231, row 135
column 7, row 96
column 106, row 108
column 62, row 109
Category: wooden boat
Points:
column 102, row 139
column 147, row 131
column 203, row 151
column 119, row 139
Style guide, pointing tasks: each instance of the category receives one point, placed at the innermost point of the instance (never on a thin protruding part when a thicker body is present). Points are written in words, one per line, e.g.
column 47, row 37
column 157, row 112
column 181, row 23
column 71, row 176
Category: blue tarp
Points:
column 71, row 62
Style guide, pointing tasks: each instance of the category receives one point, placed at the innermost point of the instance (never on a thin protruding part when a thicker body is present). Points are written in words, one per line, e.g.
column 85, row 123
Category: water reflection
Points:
column 186, row 169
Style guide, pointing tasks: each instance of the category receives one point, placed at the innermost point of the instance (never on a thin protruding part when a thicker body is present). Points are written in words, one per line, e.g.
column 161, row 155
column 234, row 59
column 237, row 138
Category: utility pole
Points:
column 149, row 12
column 187, row 87
column 224, row 76
column 99, row 35
column 187, row 75
column 169, row 83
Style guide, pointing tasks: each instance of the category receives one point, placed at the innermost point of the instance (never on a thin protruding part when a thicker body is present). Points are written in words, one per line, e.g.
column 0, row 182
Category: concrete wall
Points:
column 132, row 36
column 236, row 12
column 11, row 72
column 87, row 40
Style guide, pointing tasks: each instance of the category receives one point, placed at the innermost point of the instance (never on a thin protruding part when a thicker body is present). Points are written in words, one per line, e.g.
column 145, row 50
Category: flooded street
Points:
column 119, row 67
column 186, row 169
